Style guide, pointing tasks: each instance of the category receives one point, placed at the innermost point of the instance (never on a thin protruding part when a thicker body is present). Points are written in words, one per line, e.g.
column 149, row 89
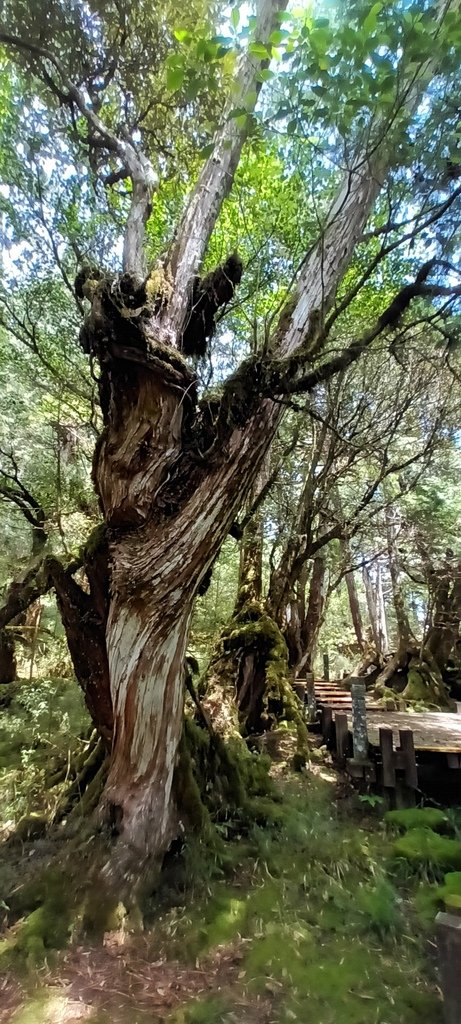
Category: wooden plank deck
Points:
column 434, row 731
column 336, row 696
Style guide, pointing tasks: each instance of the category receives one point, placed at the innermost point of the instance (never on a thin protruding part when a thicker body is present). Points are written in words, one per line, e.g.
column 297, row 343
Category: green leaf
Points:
column 207, row 150
column 174, row 78
column 259, row 50
column 236, row 112
column 371, row 20
column 265, row 75
column 235, row 17
column 250, row 99
column 182, row 35
column 192, row 89
column 174, row 60
column 278, row 36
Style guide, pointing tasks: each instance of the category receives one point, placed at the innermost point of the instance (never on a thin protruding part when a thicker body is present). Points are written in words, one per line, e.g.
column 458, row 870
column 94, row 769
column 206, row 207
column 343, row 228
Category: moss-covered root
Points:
column 425, row 684
column 44, row 929
column 249, row 677
column 217, row 780
column 418, row 817
column 425, row 850
column 89, row 768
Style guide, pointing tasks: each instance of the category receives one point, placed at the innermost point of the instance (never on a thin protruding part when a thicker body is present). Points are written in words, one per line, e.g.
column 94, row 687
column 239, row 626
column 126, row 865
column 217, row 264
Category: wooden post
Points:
column 407, row 786
column 311, row 701
column 359, row 722
column 342, row 736
column 327, row 725
column 449, row 951
column 386, row 746
column 299, row 687
column 407, row 747
column 326, row 667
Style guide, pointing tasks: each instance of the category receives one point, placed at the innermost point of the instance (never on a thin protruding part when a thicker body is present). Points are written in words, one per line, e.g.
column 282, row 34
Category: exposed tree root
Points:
column 87, row 773
column 414, row 677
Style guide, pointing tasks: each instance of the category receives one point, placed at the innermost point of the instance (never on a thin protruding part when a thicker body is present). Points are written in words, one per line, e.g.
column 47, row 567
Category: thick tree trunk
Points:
column 171, row 478
column 443, row 634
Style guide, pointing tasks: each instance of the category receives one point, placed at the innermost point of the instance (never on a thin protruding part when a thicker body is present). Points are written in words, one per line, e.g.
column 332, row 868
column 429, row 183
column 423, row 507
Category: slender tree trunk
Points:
column 250, row 583
column 376, row 611
column 8, row 664
column 7, row 657
column 316, row 609
column 405, row 638
column 354, row 606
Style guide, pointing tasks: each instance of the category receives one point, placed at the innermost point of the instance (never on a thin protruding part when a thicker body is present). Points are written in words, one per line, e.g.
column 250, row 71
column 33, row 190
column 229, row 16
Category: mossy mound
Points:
column 428, row 899
column 449, row 894
column 418, row 817
column 423, row 848
column 426, row 902
column 43, row 909
column 379, row 905
column 425, row 685
column 334, row 983
column 45, row 929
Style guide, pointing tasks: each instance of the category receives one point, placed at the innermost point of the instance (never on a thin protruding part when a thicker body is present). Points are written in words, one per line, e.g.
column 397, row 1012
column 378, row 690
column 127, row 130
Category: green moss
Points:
column 379, row 906
column 418, row 817
column 214, row 922
column 335, row 981
column 452, row 882
column 96, row 541
column 425, row 685
column 46, row 928
column 426, row 902
column 211, row 1010
column 423, row 848
column 298, row 762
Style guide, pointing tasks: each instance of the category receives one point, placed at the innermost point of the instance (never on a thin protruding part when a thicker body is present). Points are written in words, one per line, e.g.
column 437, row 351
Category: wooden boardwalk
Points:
column 434, row 731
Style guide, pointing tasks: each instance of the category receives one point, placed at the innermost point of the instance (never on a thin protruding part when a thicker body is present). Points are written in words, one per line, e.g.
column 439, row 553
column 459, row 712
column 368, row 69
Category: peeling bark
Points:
column 171, row 475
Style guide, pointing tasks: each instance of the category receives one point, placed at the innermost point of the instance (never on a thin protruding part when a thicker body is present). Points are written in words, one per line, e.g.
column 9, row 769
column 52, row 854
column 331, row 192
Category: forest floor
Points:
column 315, row 922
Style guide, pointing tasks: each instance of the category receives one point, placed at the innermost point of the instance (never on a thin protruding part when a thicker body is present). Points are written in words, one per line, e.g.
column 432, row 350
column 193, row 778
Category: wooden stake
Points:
column 407, row 747
column 327, row 725
column 386, row 745
column 342, row 736
column 449, row 948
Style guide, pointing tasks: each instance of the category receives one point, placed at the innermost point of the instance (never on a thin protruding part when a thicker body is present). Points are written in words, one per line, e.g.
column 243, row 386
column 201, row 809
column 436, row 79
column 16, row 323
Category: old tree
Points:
column 360, row 108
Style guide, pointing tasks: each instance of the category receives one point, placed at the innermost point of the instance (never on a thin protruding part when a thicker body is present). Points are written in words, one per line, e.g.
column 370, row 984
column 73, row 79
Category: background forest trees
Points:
column 308, row 464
